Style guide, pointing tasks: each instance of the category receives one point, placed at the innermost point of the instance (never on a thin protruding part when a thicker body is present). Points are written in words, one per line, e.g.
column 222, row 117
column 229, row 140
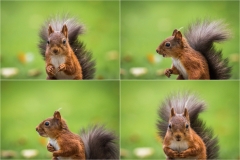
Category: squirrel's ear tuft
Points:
column 57, row 115
column 178, row 36
column 172, row 112
column 50, row 30
column 174, row 32
column 185, row 114
column 65, row 30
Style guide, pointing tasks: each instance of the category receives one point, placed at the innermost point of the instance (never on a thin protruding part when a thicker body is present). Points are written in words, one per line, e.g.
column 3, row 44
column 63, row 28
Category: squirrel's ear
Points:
column 65, row 30
column 185, row 114
column 57, row 115
column 178, row 36
column 172, row 112
column 174, row 32
column 50, row 30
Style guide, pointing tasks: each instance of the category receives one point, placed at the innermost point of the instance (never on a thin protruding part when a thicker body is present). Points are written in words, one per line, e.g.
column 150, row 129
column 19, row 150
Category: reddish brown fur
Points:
column 194, row 62
column 70, row 144
column 196, row 147
column 55, row 47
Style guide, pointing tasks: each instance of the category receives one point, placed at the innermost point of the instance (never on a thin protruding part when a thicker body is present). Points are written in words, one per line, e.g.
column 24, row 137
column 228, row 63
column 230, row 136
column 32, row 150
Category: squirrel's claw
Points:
column 61, row 67
column 181, row 155
column 168, row 72
column 50, row 70
column 50, row 148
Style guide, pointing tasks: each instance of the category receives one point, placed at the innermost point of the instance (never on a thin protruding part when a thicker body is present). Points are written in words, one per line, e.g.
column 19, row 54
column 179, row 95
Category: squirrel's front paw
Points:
column 54, row 158
column 50, row 148
column 62, row 67
column 168, row 72
column 173, row 155
column 50, row 70
column 181, row 155
column 55, row 154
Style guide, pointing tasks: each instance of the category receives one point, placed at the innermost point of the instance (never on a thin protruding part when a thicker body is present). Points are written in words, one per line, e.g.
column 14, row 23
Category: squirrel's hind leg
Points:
column 51, row 78
column 78, row 77
column 180, row 77
column 54, row 158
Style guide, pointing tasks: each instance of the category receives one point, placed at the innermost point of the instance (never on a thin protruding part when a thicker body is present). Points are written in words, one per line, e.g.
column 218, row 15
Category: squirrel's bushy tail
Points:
column 74, row 30
column 195, row 106
column 201, row 35
column 99, row 143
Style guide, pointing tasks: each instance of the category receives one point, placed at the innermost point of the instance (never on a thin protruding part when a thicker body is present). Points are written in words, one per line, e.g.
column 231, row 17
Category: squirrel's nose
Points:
column 37, row 129
column 55, row 50
column 178, row 137
column 157, row 50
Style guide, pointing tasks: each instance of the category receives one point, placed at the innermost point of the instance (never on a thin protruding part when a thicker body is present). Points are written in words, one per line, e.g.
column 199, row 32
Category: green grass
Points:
column 140, row 101
column 145, row 24
column 21, row 22
column 24, row 104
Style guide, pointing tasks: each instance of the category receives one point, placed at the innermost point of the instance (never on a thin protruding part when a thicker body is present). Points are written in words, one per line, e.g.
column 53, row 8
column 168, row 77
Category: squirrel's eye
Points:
column 46, row 123
column 187, row 126
column 64, row 41
column 170, row 126
column 48, row 42
column 167, row 44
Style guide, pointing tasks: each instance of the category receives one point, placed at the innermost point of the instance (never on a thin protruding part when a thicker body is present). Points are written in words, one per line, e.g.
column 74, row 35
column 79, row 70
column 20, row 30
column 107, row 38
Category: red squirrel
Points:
column 184, row 134
column 194, row 56
column 97, row 143
column 65, row 56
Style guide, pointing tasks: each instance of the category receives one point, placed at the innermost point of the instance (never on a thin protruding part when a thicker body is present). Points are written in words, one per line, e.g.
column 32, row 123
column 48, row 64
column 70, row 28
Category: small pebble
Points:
column 143, row 152
column 34, row 72
column 29, row 153
column 160, row 72
column 8, row 154
column 138, row 71
column 9, row 72
column 234, row 57
column 123, row 71
column 124, row 152
column 112, row 55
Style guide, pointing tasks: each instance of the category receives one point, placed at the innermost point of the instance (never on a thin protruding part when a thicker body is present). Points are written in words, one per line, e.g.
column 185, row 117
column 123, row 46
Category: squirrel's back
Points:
column 99, row 143
column 194, row 106
column 74, row 30
column 201, row 35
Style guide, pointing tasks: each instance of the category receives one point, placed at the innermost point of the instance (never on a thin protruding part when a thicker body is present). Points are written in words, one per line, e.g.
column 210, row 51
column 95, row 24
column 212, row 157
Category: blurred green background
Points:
column 140, row 101
column 21, row 22
column 145, row 24
column 24, row 104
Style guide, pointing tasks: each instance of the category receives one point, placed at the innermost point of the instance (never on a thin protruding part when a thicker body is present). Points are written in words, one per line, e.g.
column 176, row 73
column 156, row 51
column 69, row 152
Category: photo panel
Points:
column 146, row 24
column 140, row 104
column 25, row 104
column 23, row 20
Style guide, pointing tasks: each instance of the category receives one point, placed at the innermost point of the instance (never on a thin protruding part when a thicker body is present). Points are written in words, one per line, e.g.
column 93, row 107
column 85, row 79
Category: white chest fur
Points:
column 54, row 143
column 56, row 60
column 179, row 145
column 177, row 63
